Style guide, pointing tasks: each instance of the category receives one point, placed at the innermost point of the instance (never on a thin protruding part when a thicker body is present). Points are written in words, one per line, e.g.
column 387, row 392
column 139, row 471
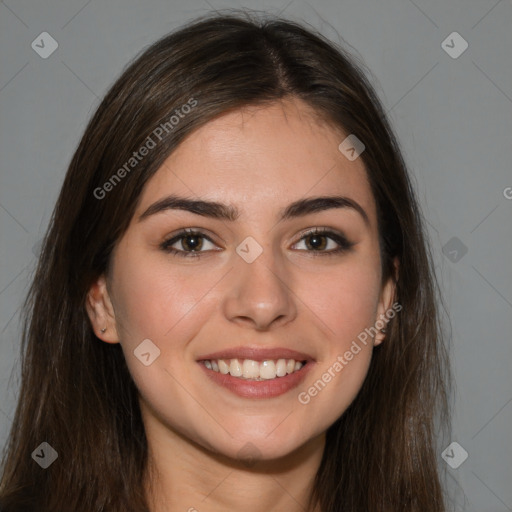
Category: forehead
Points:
column 262, row 158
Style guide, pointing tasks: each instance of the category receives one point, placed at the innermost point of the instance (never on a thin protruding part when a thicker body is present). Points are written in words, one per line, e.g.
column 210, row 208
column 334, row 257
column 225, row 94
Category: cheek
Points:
column 166, row 306
column 345, row 300
column 153, row 300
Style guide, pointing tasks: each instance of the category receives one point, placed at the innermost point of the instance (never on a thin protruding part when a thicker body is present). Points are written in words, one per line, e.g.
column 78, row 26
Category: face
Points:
column 276, row 294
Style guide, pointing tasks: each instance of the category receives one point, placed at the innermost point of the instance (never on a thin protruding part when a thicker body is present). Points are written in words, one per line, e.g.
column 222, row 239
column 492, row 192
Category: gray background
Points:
column 453, row 117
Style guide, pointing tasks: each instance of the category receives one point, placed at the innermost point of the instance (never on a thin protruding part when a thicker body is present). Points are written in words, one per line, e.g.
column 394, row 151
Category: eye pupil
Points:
column 192, row 242
column 316, row 241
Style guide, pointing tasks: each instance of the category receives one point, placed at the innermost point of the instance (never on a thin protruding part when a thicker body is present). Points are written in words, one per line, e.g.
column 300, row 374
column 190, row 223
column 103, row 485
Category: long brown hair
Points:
column 76, row 392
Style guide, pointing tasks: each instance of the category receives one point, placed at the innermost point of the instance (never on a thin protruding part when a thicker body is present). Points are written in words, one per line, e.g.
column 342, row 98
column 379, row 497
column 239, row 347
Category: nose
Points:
column 260, row 294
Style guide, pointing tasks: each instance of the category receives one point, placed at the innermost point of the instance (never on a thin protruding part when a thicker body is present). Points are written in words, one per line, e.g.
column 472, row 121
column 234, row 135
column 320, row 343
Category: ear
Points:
column 101, row 311
column 385, row 304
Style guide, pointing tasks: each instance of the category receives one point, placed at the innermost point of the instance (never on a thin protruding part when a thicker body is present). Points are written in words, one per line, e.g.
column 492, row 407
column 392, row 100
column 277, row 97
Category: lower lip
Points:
column 258, row 388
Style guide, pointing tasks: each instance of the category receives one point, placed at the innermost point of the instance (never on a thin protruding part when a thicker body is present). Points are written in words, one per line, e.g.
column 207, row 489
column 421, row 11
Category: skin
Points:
column 258, row 159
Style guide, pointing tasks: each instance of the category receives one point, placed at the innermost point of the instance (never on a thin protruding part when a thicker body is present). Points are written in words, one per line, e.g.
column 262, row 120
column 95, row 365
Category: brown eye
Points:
column 316, row 242
column 187, row 243
column 324, row 242
column 192, row 242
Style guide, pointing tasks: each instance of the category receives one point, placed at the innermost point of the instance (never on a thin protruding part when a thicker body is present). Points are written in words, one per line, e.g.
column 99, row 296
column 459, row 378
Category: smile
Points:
column 250, row 369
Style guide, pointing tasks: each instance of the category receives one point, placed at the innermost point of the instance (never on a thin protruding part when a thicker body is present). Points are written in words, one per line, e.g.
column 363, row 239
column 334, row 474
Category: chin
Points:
column 260, row 442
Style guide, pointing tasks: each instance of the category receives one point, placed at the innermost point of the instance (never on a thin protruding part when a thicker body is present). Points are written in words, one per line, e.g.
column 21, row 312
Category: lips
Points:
column 267, row 387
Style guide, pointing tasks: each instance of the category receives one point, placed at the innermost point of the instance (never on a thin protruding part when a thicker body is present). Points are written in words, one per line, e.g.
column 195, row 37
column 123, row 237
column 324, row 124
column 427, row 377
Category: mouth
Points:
column 249, row 369
column 255, row 372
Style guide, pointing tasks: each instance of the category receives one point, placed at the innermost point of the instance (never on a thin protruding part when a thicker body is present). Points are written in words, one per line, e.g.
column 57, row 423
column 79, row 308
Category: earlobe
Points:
column 101, row 312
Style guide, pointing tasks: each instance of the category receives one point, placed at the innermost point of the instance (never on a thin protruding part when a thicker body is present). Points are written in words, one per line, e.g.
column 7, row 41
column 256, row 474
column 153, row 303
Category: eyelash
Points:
column 344, row 244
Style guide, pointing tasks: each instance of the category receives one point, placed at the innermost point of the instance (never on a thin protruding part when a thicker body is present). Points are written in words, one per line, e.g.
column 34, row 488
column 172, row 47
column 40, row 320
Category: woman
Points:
column 234, row 306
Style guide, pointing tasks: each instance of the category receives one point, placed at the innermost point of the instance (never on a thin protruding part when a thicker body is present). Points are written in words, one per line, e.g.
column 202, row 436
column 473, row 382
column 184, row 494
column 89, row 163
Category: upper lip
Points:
column 257, row 354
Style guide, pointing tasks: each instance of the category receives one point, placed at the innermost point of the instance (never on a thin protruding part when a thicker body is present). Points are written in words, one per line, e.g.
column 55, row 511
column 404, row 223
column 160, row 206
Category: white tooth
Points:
column 251, row 369
column 235, row 368
column 298, row 365
column 215, row 366
column 290, row 365
column 208, row 365
column 223, row 366
column 268, row 370
column 281, row 367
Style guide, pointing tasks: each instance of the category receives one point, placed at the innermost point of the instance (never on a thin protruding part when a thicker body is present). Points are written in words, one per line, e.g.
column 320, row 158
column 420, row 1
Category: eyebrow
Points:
column 230, row 213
